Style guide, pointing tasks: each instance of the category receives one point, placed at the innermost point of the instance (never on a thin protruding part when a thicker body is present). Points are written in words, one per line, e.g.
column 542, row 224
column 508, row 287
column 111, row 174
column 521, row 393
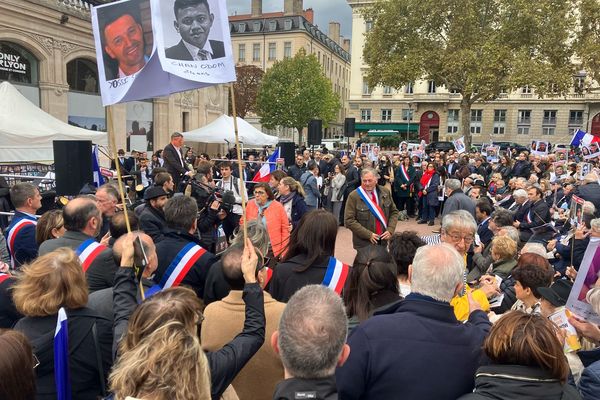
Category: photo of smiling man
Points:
column 193, row 22
column 122, row 39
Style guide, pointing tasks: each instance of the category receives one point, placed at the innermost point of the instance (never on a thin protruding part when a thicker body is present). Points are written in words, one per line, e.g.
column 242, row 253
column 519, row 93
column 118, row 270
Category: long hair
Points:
column 168, row 364
column 294, row 185
column 17, row 378
column 50, row 220
column 529, row 340
column 373, row 270
column 314, row 237
column 50, row 282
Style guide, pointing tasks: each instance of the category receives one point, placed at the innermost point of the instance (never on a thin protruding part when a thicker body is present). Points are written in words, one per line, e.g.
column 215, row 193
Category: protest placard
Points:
column 587, row 276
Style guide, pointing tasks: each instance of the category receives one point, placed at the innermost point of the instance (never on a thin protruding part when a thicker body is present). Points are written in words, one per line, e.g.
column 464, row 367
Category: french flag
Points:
column 582, row 138
column 61, row 357
column 264, row 173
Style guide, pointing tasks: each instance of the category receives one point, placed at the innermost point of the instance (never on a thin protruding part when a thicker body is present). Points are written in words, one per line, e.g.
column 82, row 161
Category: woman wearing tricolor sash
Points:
column 403, row 183
column 309, row 259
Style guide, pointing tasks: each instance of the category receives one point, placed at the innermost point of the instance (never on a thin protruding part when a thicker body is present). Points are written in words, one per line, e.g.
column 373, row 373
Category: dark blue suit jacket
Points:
column 392, row 354
column 484, row 232
column 25, row 247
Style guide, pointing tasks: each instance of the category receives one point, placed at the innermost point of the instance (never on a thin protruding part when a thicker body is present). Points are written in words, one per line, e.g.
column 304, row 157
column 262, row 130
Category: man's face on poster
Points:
column 193, row 24
column 125, row 43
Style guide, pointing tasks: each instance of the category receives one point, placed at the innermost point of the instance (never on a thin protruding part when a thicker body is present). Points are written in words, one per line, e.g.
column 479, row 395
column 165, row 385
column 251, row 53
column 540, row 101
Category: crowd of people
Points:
column 189, row 295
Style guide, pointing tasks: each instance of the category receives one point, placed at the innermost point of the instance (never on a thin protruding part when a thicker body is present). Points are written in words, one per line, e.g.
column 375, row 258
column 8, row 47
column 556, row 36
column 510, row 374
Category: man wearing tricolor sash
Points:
column 20, row 235
column 370, row 213
column 181, row 258
column 83, row 221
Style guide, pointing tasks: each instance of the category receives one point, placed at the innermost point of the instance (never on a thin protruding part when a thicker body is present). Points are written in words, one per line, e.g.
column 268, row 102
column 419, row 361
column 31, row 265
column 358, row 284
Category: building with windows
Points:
column 424, row 110
column 52, row 39
column 261, row 39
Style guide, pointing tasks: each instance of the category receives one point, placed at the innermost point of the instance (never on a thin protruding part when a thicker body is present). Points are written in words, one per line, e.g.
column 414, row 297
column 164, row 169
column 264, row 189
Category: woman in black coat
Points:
column 49, row 283
column 527, row 362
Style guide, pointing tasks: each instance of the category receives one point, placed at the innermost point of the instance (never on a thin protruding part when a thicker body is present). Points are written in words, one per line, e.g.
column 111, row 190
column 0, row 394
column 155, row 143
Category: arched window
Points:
column 17, row 64
column 82, row 76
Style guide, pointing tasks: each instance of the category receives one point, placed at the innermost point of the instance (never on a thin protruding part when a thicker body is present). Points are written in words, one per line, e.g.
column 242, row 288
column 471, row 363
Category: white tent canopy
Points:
column 221, row 131
column 27, row 132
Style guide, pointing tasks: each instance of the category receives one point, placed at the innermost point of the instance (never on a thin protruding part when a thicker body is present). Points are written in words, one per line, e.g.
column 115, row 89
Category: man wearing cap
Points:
column 152, row 219
column 555, row 296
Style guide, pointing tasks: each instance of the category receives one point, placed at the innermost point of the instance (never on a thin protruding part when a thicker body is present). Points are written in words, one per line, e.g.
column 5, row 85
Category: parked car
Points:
column 511, row 145
column 439, row 146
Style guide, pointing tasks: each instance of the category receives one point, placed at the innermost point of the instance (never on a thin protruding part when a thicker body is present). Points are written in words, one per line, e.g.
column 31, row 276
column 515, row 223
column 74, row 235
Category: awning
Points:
column 378, row 133
column 400, row 127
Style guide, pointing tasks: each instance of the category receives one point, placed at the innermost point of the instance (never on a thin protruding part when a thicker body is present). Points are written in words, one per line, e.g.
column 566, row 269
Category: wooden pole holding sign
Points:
column 113, row 149
column 239, row 157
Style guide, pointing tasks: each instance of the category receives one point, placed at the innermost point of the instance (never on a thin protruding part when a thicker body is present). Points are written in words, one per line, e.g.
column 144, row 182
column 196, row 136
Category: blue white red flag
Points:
column 336, row 274
column 264, row 173
column 582, row 138
column 98, row 178
column 61, row 357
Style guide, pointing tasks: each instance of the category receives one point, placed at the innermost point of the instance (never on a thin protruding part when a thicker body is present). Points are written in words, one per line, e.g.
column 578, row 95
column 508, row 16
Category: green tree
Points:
column 478, row 48
column 588, row 41
column 246, row 89
column 295, row 91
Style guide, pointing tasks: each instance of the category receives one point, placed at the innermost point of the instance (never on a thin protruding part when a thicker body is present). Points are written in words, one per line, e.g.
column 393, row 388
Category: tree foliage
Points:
column 246, row 88
column 478, row 48
column 295, row 91
column 588, row 40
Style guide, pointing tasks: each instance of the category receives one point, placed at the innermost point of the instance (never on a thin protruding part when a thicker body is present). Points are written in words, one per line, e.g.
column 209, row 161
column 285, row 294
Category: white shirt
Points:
column 194, row 50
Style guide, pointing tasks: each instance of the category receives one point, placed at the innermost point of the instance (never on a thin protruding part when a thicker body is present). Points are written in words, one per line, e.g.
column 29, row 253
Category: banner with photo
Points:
column 459, row 145
column 561, row 154
column 583, row 169
column 539, row 147
column 590, row 151
column 492, row 154
column 587, row 276
column 152, row 48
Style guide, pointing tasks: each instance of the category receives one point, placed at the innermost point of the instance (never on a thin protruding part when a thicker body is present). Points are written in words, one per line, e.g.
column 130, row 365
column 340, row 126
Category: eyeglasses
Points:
column 457, row 238
column 257, row 192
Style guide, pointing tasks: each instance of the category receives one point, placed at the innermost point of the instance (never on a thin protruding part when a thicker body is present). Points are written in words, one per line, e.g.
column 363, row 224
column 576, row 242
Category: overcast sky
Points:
column 325, row 11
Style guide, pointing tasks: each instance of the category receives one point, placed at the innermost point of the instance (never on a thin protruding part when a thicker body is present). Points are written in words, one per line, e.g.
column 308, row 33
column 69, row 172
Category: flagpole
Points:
column 113, row 149
column 239, row 157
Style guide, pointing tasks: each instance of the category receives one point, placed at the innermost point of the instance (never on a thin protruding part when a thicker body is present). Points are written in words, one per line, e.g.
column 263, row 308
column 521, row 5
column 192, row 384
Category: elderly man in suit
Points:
column 193, row 21
column 174, row 160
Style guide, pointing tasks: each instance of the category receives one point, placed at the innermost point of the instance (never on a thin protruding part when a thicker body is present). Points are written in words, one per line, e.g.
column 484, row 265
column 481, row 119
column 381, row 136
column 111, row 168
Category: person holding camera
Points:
column 211, row 214
column 230, row 183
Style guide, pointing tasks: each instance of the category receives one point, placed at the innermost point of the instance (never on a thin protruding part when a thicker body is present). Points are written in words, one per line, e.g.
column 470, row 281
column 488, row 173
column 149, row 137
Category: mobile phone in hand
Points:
column 140, row 259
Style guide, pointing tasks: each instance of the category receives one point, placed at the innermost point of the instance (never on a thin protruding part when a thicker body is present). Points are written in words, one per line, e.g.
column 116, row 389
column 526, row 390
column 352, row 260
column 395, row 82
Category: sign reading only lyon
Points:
column 12, row 63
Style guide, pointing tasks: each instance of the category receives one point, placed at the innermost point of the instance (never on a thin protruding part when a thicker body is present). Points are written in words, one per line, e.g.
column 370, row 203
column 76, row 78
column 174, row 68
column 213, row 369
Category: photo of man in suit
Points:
column 122, row 40
column 193, row 21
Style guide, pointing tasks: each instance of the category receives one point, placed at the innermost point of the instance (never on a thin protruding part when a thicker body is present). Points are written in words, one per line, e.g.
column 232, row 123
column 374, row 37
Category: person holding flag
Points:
column 370, row 213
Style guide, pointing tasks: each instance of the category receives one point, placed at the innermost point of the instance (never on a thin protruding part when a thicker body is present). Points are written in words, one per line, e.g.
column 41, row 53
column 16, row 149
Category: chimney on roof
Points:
column 346, row 45
column 292, row 7
column 256, row 8
column 334, row 31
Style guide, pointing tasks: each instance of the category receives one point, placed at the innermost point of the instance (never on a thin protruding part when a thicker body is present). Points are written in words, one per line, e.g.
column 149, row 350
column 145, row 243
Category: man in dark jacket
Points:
column 590, row 191
column 538, row 215
column 522, row 167
column 152, row 219
column 20, row 234
column 483, row 211
column 457, row 200
column 296, row 170
column 419, row 337
column 83, row 221
column 174, row 160
column 352, row 179
column 180, row 244
column 311, row 343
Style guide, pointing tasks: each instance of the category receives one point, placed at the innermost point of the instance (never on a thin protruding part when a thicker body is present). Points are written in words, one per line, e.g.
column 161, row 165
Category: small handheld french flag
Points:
column 61, row 357
column 264, row 173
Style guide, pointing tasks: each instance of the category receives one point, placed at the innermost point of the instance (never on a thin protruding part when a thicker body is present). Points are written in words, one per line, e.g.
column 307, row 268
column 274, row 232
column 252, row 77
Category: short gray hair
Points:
column 436, row 271
column 511, row 232
column 257, row 233
column 520, row 193
column 369, row 170
column 312, row 332
column 452, row 184
column 535, row 248
column 595, row 225
column 588, row 207
column 459, row 219
column 176, row 135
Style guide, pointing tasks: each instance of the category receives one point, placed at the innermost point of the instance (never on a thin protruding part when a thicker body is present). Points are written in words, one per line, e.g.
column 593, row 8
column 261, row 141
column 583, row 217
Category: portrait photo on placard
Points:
column 125, row 37
column 195, row 30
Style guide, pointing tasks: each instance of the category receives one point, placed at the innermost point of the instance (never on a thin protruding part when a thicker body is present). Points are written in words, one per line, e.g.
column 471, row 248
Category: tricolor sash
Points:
column 88, row 251
column 12, row 236
column 373, row 207
column 269, row 275
column 178, row 269
column 3, row 277
column 528, row 217
column 404, row 173
column 336, row 275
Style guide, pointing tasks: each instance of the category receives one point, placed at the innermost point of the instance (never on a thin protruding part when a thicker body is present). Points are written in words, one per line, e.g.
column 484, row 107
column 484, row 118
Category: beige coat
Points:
column 223, row 321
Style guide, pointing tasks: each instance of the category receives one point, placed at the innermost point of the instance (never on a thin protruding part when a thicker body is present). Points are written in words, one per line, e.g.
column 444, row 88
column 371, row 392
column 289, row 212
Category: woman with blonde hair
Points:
column 291, row 196
column 527, row 362
column 50, row 226
column 504, row 252
column 51, row 282
column 168, row 364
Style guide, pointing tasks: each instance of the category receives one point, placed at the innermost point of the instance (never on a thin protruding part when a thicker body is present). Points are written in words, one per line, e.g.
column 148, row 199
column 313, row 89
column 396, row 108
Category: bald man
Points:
column 83, row 222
